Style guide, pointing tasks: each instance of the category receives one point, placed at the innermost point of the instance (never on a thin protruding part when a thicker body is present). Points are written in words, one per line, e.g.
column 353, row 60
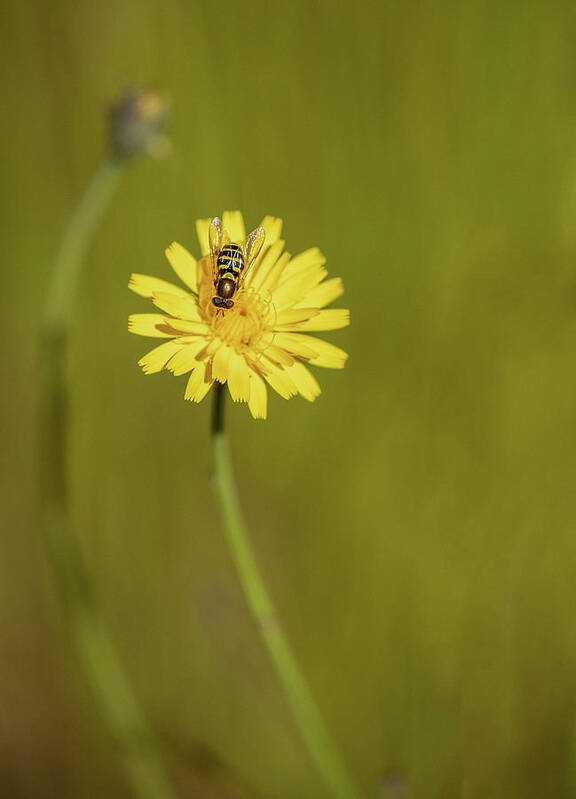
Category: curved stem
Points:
column 77, row 238
column 314, row 733
column 89, row 633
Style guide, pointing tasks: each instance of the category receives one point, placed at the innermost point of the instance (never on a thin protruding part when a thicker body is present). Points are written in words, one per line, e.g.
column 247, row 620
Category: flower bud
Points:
column 136, row 124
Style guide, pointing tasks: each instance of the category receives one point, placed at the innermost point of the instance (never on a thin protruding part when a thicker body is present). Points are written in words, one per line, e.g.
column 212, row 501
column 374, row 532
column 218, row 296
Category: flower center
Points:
column 246, row 322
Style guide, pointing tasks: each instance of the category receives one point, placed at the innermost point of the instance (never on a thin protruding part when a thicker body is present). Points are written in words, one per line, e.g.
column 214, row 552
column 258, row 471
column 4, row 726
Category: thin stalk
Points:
column 90, row 636
column 315, row 735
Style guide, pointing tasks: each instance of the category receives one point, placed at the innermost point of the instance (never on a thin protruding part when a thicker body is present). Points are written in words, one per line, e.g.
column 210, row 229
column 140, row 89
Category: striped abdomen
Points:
column 230, row 261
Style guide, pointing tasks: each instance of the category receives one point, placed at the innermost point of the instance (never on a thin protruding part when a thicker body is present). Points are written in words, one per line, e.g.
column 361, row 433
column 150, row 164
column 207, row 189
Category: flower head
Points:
column 136, row 124
column 263, row 339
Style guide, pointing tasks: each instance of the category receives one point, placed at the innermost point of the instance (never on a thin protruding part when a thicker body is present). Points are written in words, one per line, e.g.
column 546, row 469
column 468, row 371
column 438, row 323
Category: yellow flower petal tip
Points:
column 262, row 338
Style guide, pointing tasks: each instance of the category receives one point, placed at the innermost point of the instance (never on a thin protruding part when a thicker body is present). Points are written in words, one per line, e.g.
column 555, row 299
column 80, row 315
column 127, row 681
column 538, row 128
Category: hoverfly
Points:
column 231, row 262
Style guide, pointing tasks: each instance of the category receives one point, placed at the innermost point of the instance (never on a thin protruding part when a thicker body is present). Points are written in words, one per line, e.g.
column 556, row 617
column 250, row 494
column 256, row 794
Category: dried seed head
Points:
column 136, row 124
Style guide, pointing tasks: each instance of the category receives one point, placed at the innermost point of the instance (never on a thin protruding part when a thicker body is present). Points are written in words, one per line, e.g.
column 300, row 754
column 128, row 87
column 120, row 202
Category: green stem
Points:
column 77, row 238
column 314, row 733
column 89, row 633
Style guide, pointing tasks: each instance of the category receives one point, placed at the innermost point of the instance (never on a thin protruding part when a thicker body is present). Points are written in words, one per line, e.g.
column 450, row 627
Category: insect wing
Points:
column 251, row 250
column 217, row 238
column 253, row 245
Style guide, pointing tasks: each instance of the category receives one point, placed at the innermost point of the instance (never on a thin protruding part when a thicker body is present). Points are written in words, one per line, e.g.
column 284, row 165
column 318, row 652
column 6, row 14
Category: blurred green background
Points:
column 416, row 526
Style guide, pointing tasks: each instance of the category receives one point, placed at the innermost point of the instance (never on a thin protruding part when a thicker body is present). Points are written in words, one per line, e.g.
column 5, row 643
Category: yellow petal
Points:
column 291, row 291
column 233, row 221
column 295, row 344
column 323, row 294
column 323, row 353
column 220, row 363
column 210, row 349
column 185, row 359
column 280, row 380
column 309, row 259
column 273, row 229
column 275, row 273
column 328, row 319
column 145, row 286
column 186, row 326
column 184, row 265
column 149, row 324
column 292, row 316
column 205, row 281
column 156, row 359
column 258, row 396
column 304, row 381
column 261, row 269
column 183, row 307
column 202, row 226
column 329, row 356
column 199, row 384
column 279, row 355
column 238, row 378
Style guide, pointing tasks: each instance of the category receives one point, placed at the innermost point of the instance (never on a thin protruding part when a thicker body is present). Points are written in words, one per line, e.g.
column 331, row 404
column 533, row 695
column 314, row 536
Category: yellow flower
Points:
column 262, row 339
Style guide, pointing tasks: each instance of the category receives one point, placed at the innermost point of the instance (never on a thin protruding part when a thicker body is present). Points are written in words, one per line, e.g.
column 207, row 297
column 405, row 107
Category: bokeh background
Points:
column 416, row 525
